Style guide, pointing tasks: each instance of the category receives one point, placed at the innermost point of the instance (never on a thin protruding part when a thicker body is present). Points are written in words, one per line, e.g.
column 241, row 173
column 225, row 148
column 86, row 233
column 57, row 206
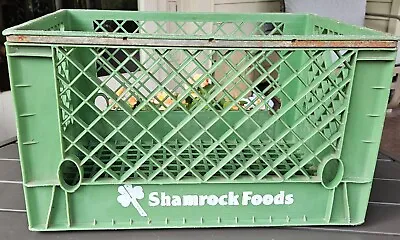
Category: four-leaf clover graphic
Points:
column 130, row 195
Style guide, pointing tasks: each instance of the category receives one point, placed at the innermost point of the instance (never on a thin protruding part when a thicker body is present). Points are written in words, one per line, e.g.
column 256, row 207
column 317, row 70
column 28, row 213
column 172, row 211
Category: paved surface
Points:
column 390, row 144
column 383, row 217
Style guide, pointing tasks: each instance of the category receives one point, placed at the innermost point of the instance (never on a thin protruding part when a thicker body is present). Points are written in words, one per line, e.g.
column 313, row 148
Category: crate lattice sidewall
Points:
column 197, row 123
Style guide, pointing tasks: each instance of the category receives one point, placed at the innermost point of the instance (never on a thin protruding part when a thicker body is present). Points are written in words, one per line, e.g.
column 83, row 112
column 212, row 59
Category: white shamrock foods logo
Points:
column 130, row 194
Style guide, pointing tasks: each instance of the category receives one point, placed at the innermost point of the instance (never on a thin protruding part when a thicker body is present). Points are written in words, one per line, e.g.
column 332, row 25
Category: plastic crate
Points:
column 168, row 120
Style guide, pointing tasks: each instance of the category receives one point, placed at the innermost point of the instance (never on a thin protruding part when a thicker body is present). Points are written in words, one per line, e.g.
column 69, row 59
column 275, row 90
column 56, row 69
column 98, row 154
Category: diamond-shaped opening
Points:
column 202, row 28
column 279, row 151
column 86, row 141
column 130, row 26
column 124, row 96
column 72, row 148
column 249, row 125
column 205, row 165
column 85, row 115
column 212, row 159
column 192, row 76
column 202, row 60
column 163, row 27
column 83, row 97
column 265, row 67
column 293, row 161
column 63, row 67
column 228, row 29
column 160, row 129
column 164, row 154
column 219, row 128
column 174, row 167
column 131, row 128
column 259, row 29
column 180, row 28
column 189, row 101
column 115, row 58
column 147, row 168
column 327, row 149
column 285, row 166
column 103, row 155
column 316, row 139
column 116, row 142
column 230, row 168
column 190, row 27
column 268, row 28
column 102, row 128
column 242, row 28
column 238, row 87
column 119, row 167
column 73, row 71
column 132, row 156
column 117, row 118
column 109, row 26
column 258, row 166
column 90, row 168
column 96, row 25
column 130, row 68
column 192, row 127
column 274, row 28
column 165, row 99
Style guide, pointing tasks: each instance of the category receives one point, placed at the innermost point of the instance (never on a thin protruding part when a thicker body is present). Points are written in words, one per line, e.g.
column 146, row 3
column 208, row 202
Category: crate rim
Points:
column 22, row 33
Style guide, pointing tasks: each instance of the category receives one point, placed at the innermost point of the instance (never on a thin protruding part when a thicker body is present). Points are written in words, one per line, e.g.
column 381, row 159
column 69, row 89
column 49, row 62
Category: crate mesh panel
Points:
column 57, row 27
column 320, row 30
column 214, row 137
column 236, row 29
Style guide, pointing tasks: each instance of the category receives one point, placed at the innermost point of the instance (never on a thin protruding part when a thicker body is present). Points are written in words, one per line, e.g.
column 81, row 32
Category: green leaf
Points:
column 208, row 88
column 226, row 104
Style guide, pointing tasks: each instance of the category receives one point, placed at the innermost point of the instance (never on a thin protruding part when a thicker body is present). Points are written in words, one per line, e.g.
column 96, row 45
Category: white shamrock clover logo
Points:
column 130, row 194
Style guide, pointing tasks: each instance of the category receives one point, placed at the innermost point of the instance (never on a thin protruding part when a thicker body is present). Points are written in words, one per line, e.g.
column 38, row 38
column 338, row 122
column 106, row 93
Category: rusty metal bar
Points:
column 203, row 43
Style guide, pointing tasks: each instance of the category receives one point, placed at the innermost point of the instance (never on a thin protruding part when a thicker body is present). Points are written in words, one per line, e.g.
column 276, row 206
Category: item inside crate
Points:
column 163, row 100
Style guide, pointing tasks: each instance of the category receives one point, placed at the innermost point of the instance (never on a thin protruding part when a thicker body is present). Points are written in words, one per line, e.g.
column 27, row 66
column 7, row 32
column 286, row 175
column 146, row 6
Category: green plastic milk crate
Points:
column 169, row 120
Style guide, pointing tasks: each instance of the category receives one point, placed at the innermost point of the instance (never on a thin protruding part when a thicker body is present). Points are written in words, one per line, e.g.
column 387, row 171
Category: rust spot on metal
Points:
column 22, row 38
column 345, row 43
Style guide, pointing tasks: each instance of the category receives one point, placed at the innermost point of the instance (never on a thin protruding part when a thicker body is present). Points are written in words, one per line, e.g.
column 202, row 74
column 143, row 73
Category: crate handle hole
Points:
column 101, row 101
column 70, row 174
column 332, row 173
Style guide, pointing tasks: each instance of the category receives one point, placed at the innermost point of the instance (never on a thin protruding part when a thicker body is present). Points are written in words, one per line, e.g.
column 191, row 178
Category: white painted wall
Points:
column 210, row 5
column 352, row 12
column 7, row 117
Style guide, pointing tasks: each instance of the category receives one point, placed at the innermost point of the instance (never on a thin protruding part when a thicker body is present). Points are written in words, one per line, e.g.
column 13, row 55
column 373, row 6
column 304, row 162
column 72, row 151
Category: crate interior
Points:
column 189, row 115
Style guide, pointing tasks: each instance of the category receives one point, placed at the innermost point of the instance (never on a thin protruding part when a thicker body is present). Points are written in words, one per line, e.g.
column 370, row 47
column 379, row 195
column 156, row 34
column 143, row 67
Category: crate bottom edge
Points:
column 86, row 228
